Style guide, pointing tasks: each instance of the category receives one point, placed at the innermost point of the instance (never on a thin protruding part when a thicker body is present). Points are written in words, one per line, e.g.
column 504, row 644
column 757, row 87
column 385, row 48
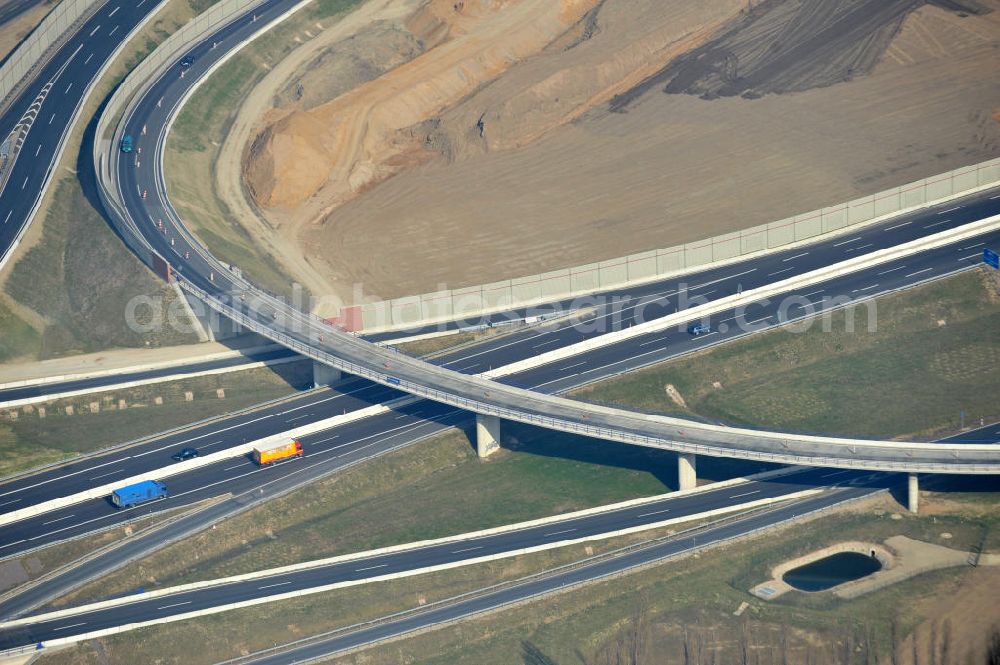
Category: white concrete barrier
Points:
column 264, row 574
column 751, row 296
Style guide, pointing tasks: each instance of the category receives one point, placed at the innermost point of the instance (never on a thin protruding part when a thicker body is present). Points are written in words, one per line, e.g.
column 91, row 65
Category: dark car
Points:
column 187, row 61
column 185, row 454
column 699, row 329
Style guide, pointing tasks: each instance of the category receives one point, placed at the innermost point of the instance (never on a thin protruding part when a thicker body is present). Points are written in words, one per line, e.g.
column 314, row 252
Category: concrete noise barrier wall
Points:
column 655, row 264
column 32, row 51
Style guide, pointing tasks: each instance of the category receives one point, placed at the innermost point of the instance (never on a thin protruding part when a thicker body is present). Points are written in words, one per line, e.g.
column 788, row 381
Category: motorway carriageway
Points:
column 69, row 71
column 331, row 449
column 459, row 550
column 656, row 300
column 839, row 486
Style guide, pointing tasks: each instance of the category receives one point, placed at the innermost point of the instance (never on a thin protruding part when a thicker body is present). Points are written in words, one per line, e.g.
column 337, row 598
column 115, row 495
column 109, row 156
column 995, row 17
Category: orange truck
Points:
column 270, row 454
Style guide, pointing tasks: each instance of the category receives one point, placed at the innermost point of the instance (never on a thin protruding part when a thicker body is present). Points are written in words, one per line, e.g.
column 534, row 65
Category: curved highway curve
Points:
column 137, row 201
column 39, row 120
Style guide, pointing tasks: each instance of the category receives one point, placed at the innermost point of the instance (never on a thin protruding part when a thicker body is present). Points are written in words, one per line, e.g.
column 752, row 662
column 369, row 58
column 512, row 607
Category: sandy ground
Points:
column 89, row 363
column 493, row 157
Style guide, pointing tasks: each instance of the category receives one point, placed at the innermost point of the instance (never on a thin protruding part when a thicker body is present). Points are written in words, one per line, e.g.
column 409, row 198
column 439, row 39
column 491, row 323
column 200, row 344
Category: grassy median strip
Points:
column 435, row 489
column 936, row 347
column 66, row 288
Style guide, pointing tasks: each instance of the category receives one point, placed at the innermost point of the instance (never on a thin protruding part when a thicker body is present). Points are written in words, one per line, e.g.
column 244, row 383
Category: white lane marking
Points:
column 919, row 271
column 971, row 256
column 72, row 625
column 7, row 218
column 25, row 182
column 381, row 565
column 113, row 30
column 467, row 549
column 556, row 533
column 88, row 58
column 781, row 271
column 230, row 468
column 865, row 288
column 859, row 247
column 890, row 228
column 652, row 341
column 886, row 272
column 68, row 88
column 811, row 293
column 655, row 512
column 844, row 242
column 572, row 366
column 736, row 496
column 304, row 415
column 722, row 279
column 114, row 11
column 7, row 503
column 995, row 197
column 545, row 343
column 16, row 542
column 94, row 31
column 797, row 256
column 943, row 221
column 270, row 586
column 52, row 118
column 38, row 149
column 330, row 438
column 835, row 473
column 756, row 321
column 950, row 210
column 109, row 473
column 60, row 519
column 167, row 607
column 978, row 244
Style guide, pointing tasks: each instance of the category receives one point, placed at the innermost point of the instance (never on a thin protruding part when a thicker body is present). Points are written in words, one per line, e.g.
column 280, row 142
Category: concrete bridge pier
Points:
column 324, row 375
column 913, row 493
column 687, row 476
column 487, row 435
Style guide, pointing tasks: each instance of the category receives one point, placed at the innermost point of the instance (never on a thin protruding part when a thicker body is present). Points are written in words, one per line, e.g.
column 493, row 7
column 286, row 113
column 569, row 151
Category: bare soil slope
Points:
column 617, row 126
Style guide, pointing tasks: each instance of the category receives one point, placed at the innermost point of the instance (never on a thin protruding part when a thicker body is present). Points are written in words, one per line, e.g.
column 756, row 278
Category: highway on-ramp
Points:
column 140, row 608
column 144, row 209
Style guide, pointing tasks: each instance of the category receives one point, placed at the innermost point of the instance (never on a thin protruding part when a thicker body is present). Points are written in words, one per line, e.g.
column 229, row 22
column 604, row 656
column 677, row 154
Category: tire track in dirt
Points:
column 783, row 46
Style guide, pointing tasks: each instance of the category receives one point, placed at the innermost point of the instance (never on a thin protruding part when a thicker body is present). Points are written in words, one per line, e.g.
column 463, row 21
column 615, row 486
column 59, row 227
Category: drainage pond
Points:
column 832, row 570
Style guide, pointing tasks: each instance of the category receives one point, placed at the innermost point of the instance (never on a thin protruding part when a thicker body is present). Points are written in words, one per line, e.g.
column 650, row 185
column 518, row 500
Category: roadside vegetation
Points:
column 644, row 618
column 433, row 489
column 936, row 348
column 33, row 435
column 65, row 289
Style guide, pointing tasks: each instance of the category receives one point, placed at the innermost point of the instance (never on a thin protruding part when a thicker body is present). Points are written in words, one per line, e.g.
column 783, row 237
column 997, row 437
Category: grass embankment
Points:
column 935, row 353
column 649, row 613
column 435, row 489
column 82, row 424
column 66, row 288
column 438, row 487
column 189, row 161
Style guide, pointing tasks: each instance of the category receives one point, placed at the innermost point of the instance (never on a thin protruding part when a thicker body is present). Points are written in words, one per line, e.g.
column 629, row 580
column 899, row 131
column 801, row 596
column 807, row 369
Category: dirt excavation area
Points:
column 449, row 143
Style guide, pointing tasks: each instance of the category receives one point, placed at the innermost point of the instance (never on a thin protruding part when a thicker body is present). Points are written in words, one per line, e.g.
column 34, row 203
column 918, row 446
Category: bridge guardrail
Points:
column 509, row 402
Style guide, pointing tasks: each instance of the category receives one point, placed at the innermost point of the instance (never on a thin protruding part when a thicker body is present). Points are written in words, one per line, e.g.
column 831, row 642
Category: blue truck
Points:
column 133, row 495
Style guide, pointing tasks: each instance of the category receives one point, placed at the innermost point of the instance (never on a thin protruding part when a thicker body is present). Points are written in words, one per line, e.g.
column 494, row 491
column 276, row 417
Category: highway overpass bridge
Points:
column 136, row 199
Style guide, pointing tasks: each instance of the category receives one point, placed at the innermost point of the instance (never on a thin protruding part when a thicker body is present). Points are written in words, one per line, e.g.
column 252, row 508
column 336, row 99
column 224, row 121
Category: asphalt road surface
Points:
column 68, row 75
column 141, row 609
